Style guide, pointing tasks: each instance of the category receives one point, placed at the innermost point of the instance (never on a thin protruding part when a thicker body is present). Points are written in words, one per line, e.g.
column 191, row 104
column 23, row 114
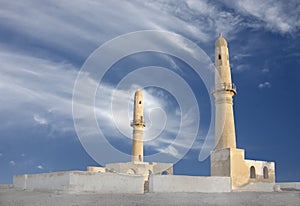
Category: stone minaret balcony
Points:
column 230, row 87
column 139, row 122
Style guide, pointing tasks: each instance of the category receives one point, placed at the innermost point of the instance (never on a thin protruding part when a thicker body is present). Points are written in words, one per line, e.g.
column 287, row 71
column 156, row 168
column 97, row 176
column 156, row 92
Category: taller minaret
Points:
column 226, row 160
column 224, row 91
column 138, row 125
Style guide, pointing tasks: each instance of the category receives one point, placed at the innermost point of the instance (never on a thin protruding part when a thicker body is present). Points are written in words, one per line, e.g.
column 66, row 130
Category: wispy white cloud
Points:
column 240, row 56
column 39, row 119
column 40, row 167
column 264, row 85
column 77, row 27
column 57, row 99
column 43, row 84
column 12, row 163
column 170, row 150
column 87, row 24
column 265, row 70
column 273, row 15
column 240, row 68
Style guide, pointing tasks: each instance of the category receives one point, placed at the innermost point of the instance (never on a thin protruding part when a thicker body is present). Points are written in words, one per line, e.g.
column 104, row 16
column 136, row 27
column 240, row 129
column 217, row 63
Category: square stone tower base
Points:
column 231, row 162
column 146, row 169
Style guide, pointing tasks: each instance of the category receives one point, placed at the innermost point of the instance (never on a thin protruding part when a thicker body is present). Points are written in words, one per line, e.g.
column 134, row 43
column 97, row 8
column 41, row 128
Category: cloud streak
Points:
column 273, row 15
column 51, row 93
column 40, row 167
column 86, row 25
column 264, row 85
column 40, row 120
column 12, row 163
column 46, row 41
column 36, row 90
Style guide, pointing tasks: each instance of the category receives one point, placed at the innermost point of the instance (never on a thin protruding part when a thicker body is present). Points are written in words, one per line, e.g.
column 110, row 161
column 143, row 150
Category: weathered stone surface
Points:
column 178, row 183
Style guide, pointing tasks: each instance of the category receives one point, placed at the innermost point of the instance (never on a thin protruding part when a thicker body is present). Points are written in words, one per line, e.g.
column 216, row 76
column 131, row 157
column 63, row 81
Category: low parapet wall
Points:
column 106, row 182
column 178, row 183
column 80, row 181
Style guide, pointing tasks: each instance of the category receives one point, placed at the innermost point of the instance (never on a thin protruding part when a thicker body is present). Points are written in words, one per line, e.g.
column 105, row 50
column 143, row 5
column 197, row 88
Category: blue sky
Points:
column 43, row 45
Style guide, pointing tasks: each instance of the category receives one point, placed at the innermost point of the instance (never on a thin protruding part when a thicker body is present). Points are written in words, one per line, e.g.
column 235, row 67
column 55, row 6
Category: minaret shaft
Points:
column 138, row 128
column 224, row 91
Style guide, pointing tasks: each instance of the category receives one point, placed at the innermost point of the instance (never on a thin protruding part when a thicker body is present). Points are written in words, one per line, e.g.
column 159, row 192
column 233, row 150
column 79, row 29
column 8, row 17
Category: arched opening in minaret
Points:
column 219, row 56
column 252, row 172
column 265, row 173
column 140, row 157
column 140, row 102
column 131, row 171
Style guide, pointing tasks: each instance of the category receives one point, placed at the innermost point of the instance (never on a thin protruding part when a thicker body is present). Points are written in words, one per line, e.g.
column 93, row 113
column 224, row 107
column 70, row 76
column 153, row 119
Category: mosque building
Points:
column 230, row 170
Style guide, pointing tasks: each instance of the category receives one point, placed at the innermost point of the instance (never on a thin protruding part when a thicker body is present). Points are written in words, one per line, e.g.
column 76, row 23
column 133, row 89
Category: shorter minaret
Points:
column 138, row 125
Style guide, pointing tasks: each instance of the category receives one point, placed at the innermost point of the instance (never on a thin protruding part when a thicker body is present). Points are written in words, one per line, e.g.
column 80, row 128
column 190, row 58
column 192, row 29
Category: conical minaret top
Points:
column 221, row 41
column 138, row 125
column 222, row 61
column 224, row 91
